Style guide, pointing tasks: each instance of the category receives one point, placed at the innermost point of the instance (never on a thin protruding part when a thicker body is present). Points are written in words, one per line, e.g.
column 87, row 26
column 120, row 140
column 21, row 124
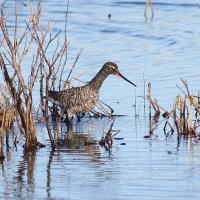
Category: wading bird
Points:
column 83, row 99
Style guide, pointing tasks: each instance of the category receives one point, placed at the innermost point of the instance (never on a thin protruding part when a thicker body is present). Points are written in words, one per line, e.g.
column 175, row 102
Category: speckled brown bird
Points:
column 83, row 99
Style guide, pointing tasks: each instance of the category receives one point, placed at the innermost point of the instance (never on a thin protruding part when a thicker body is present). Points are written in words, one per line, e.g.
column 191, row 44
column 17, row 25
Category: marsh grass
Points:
column 15, row 46
column 48, row 66
column 184, row 118
column 44, row 66
column 7, row 116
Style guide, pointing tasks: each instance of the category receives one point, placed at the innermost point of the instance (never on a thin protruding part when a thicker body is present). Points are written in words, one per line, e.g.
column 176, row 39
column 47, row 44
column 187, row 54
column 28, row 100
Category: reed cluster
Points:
column 184, row 117
column 7, row 116
column 46, row 68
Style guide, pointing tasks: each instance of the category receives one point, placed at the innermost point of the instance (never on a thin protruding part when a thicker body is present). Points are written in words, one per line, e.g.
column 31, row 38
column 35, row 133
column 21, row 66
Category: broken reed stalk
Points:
column 185, row 125
column 1, row 145
column 135, row 106
column 179, row 106
column 144, row 92
column 42, row 91
column 149, row 97
column 184, row 122
column 165, row 118
column 106, row 140
column 152, row 104
column 189, row 103
column 148, row 4
column 111, row 109
column 175, row 118
column 7, row 115
column 101, row 107
column 72, row 68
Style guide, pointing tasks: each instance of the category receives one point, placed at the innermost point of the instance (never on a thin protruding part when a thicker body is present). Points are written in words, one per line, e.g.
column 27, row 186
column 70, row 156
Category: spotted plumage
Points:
column 84, row 98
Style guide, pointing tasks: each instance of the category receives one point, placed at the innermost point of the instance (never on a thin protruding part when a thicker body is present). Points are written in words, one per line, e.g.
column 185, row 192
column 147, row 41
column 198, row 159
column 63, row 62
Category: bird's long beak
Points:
column 120, row 75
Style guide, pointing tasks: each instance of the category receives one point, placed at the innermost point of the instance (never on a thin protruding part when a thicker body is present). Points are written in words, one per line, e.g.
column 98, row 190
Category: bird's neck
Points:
column 97, row 81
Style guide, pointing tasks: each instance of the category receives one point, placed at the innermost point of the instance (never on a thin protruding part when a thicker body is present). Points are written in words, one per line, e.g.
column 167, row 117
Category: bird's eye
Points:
column 111, row 67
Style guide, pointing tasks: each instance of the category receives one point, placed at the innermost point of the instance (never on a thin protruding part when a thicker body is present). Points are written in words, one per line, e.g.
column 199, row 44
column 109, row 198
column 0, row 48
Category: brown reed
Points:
column 14, row 52
column 7, row 115
column 184, row 115
column 107, row 137
column 148, row 4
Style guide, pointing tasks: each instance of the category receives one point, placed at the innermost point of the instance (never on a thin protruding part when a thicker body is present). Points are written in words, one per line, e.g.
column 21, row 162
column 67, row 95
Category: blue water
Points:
column 161, row 51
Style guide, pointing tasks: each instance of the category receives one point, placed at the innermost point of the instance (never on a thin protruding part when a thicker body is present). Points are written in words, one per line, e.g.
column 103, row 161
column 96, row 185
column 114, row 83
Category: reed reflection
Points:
column 25, row 185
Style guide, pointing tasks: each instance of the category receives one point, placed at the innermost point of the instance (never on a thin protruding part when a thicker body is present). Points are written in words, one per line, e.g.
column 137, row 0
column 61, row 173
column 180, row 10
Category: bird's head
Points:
column 112, row 68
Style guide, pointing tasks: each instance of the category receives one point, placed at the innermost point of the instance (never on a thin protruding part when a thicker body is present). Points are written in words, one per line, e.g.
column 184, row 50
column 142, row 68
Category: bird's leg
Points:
column 69, row 125
column 68, row 118
column 78, row 117
column 69, row 121
column 69, row 128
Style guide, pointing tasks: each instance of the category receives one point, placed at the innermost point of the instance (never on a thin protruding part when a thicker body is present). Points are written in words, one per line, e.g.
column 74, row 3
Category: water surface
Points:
column 161, row 50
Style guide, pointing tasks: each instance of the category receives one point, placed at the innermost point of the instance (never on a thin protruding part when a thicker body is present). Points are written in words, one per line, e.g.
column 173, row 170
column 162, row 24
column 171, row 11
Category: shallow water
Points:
column 164, row 50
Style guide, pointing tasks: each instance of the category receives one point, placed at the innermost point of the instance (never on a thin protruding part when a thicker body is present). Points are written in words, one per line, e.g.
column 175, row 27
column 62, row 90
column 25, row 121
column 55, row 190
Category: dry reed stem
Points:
column 148, row 4
column 72, row 68
column 49, row 65
column 182, row 113
column 21, row 92
column 101, row 107
column 106, row 140
column 7, row 115
column 150, row 104
column 188, row 104
column 165, row 118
